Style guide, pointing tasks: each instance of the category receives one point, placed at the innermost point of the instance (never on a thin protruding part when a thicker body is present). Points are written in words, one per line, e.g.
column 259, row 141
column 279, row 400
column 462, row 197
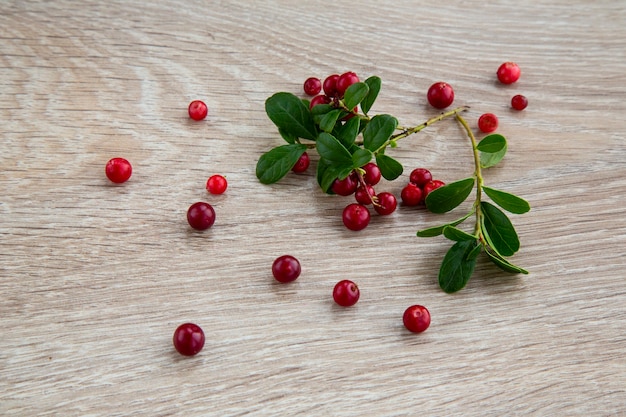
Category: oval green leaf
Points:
column 457, row 266
column 498, row 230
column 355, row 94
column 504, row 264
column 378, row 131
column 456, row 234
column 374, row 84
column 332, row 150
column 507, row 201
column 328, row 121
column 389, row 167
column 450, row 196
column 492, row 143
column 275, row 164
column 348, row 132
column 361, row 157
column 291, row 115
column 437, row 230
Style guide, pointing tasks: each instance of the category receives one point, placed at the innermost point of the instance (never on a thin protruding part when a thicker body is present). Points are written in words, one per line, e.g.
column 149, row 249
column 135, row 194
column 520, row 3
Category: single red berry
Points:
column 411, row 195
column 197, row 110
column 440, row 95
column 188, row 339
column 386, row 203
column 330, row 85
column 488, row 123
column 416, row 318
column 302, row 163
column 420, row 177
column 216, row 184
column 519, row 102
column 321, row 99
column 508, row 73
column 201, row 215
column 346, row 293
column 344, row 81
column 356, row 216
column 286, row 268
column 364, row 195
column 432, row 185
column 118, row 170
column 312, row 86
column 346, row 186
column 372, row 173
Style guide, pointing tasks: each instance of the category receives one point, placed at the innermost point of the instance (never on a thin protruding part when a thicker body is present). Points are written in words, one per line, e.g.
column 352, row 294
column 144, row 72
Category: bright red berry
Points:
column 420, row 177
column 519, row 102
column 346, row 293
column 488, row 123
column 411, row 195
column 302, row 163
column 364, row 195
column 344, row 81
column 346, row 186
column 197, row 110
column 386, row 203
column 372, row 173
column 321, row 99
column 440, row 95
column 330, row 85
column 286, row 268
column 188, row 339
column 432, row 185
column 416, row 318
column 508, row 73
column 216, row 184
column 356, row 216
column 118, row 170
column 201, row 215
column 312, row 86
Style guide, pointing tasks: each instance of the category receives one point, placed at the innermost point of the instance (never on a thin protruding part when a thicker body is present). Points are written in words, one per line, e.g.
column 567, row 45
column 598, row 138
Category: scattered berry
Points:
column 440, row 95
column 386, row 203
column 201, row 215
column 344, row 81
column 356, row 216
column 411, row 195
column 364, row 195
column 488, row 123
column 216, row 184
column 118, row 170
column 508, row 73
column 321, row 99
column 416, row 318
column 420, row 177
column 286, row 268
column 433, row 185
column 302, row 164
column 312, row 86
column 372, row 173
column 346, row 293
column 330, row 85
column 346, row 186
column 519, row 102
column 197, row 110
column 188, row 339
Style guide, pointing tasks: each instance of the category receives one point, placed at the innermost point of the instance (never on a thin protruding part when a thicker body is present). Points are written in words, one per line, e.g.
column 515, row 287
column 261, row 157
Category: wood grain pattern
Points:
column 94, row 277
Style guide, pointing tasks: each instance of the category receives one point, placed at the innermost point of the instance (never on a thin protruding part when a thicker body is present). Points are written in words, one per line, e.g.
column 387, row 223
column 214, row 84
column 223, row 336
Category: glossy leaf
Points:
column 492, row 143
column 289, row 138
column 374, row 84
column 361, row 157
column 499, row 230
column 457, row 266
column 437, row 230
column 504, row 264
column 378, row 131
column 450, row 196
column 456, row 234
column 348, row 132
column 291, row 115
column 328, row 121
column 389, row 167
column 332, row 150
column 354, row 94
column 275, row 164
column 487, row 160
column 326, row 175
column 507, row 201
column 321, row 109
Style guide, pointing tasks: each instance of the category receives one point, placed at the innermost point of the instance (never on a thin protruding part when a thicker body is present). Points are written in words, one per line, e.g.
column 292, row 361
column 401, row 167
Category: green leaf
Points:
column 332, row 150
column 378, row 131
column 457, row 266
column 291, row 115
column 289, row 138
column 507, row 201
column 374, row 84
column 326, row 175
column 276, row 163
column 348, row 132
column 456, row 234
column 437, row 230
column 389, row 167
column 361, row 157
column 354, row 94
column 321, row 109
column 450, row 196
column 492, row 144
column 498, row 230
column 328, row 121
column 504, row 264
column 487, row 160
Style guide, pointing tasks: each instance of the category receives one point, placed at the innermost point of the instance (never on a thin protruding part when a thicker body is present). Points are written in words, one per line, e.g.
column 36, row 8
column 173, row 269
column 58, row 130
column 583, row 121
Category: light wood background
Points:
column 94, row 278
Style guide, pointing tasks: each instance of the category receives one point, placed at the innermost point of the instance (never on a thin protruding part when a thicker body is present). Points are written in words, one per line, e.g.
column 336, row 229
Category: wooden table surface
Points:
column 94, row 277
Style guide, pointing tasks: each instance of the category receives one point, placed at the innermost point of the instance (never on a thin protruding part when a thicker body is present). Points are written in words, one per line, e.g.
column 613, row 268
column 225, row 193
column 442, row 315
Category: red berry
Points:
column 440, row 95
column 197, row 110
column 372, row 173
column 330, row 85
column 346, row 186
column 321, row 99
column 344, row 81
column 356, row 216
column 118, row 170
column 411, row 195
column 188, row 339
column 286, row 268
column 364, row 195
column 508, row 73
column 488, row 123
column 302, row 163
column 416, row 318
column 216, row 184
column 386, row 203
column 346, row 293
column 519, row 102
column 312, row 86
column 420, row 177
column 433, row 185
column 201, row 215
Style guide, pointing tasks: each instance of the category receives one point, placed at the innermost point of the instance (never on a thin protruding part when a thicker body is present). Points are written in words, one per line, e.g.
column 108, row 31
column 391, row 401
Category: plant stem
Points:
column 415, row 129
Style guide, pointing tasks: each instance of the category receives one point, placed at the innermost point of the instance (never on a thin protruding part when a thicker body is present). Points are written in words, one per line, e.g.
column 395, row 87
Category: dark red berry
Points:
column 440, row 95
column 386, row 203
column 420, row 177
column 508, row 73
column 416, row 318
column 201, row 215
column 321, row 99
column 346, row 186
column 330, row 85
column 188, row 339
column 411, row 195
column 312, row 86
column 197, row 110
column 216, row 184
column 519, row 102
column 344, row 81
column 356, row 216
column 372, row 173
column 432, row 185
column 488, row 123
column 302, row 163
column 118, row 170
column 286, row 268
column 346, row 293
column 364, row 195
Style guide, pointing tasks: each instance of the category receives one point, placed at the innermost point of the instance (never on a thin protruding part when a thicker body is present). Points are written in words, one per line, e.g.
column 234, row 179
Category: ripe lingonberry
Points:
column 420, row 177
column 302, row 163
column 356, row 216
column 216, row 184
column 118, row 170
column 411, row 195
column 440, row 95
column 344, row 81
column 488, row 123
column 416, row 318
column 432, row 185
column 365, row 194
column 346, row 293
column 346, row 186
column 188, row 339
column 519, row 102
column 508, row 73
column 286, row 268
column 330, row 85
column 312, row 86
column 321, row 99
column 372, row 173
column 386, row 203
column 201, row 215
column 197, row 110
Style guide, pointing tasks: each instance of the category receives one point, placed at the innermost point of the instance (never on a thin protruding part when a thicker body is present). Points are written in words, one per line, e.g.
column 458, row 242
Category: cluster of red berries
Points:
column 334, row 87
column 421, row 183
